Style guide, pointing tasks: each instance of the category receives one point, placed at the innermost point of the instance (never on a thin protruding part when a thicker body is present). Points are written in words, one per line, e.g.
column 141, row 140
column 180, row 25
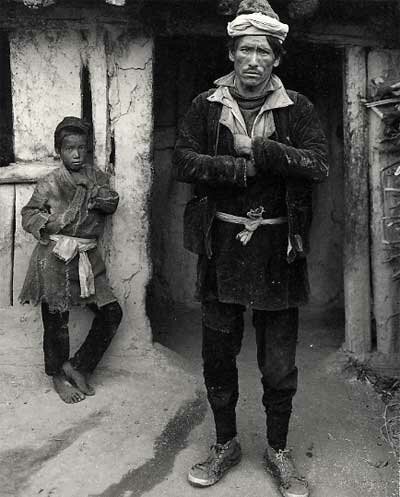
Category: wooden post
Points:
column 7, row 208
column 386, row 64
column 356, row 234
column 23, row 241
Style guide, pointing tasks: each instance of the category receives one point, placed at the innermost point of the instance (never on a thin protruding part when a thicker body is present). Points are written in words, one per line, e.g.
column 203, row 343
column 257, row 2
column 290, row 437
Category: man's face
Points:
column 253, row 60
column 74, row 151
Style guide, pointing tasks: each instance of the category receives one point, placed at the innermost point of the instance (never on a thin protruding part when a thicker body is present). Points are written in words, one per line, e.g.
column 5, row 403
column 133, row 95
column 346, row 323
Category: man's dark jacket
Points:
column 205, row 156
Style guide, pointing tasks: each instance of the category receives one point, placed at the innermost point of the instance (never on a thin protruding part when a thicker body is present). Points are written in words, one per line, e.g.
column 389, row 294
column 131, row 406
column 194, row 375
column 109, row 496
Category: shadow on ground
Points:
column 336, row 425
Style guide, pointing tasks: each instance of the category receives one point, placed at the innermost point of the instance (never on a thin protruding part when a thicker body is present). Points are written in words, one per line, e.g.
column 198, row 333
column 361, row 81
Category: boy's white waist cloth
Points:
column 250, row 225
column 66, row 248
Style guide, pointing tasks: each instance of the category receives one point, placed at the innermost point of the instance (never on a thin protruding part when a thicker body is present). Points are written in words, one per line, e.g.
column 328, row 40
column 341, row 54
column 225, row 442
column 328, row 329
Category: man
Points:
column 253, row 151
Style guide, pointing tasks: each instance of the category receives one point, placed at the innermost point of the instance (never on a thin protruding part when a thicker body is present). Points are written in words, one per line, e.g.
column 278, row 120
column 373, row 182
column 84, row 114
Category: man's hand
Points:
column 250, row 168
column 243, row 146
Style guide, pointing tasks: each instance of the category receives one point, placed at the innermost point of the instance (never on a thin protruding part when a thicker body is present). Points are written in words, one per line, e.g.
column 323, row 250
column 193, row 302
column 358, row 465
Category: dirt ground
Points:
column 149, row 420
column 337, row 421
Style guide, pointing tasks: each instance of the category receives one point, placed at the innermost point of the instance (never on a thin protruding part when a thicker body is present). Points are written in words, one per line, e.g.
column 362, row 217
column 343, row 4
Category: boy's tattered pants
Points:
column 276, row 336
column 56, row 338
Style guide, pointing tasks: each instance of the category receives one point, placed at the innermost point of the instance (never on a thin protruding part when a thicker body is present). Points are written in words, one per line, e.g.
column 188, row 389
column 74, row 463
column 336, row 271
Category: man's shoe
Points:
column 280, row 464
column 221, row 458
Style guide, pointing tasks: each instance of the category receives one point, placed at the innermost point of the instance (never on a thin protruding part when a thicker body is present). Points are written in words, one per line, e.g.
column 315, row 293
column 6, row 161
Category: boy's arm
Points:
column 35, row 214
column 102, row 197
column 37, row 218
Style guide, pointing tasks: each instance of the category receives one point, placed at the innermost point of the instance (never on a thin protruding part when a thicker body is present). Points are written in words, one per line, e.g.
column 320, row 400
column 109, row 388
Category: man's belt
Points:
column 66, row 248
column 250, row 223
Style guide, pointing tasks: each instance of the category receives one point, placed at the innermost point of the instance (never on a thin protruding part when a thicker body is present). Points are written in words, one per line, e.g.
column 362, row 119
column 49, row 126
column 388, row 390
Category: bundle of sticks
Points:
column 381, row 89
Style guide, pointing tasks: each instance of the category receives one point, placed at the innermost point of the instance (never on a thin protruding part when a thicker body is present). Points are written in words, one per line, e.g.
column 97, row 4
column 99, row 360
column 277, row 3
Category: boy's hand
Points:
column 85, row 182
column 93, row 195
column 82, row 180
column 54, row 224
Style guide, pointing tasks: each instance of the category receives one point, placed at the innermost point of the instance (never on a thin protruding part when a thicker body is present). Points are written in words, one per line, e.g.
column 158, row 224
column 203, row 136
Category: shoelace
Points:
column 283, row 456
column 215, row 457
column 219, row 451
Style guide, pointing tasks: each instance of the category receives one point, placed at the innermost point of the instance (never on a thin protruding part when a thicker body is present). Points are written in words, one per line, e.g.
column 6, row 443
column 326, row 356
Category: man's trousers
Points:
column 276, row 337
column 56, row 338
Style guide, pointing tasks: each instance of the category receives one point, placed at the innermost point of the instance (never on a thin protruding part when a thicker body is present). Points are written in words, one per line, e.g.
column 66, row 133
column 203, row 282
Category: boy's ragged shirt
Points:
column 78, row 212
column 81, row 211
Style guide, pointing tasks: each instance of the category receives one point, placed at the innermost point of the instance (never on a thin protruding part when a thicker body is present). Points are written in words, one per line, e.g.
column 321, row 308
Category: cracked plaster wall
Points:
column 131, row 95
column 46, row 83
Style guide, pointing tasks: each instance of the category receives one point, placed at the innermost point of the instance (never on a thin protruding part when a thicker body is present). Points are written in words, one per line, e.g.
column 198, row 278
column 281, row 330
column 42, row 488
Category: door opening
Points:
column 183, row 69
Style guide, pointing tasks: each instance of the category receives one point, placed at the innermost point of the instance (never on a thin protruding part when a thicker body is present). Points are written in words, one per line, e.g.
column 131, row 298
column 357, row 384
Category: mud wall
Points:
column 116, row 60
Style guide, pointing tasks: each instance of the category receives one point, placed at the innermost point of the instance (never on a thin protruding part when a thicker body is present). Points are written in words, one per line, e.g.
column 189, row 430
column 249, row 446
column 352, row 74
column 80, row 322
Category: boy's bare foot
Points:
column 67, row 392
column 77, row 378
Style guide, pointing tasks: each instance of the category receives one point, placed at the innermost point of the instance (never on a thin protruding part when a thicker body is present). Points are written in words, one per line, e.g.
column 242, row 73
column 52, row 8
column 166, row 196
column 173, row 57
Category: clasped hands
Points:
column 243, row 148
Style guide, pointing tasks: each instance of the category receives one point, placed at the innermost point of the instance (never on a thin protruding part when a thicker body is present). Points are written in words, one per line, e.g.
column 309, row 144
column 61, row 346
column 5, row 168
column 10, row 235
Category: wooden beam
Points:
column 356, row 205
column 24, row 242
column 25, row 172
column 35, row 4
column 302, row 9
column 46, row 3
column 386, row 307
column 7, row 208
column 346, row 34
column 335, row 34
column 60, row 17
column 173, row 18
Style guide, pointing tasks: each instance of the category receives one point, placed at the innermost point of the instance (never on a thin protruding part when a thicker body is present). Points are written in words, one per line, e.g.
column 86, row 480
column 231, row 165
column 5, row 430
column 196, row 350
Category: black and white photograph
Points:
column 199, row 248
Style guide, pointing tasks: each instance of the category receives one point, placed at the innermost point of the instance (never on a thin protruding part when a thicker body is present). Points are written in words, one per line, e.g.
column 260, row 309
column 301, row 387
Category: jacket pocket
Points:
column 300, row 228
column 193, row 225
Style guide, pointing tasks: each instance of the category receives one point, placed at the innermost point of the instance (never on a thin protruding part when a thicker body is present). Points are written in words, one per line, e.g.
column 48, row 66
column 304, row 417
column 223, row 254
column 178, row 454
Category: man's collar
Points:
column 228, row 80
column 277, row 96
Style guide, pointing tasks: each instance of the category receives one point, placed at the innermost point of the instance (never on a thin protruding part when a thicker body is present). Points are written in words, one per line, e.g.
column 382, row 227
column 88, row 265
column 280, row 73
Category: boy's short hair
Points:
column 68, row 126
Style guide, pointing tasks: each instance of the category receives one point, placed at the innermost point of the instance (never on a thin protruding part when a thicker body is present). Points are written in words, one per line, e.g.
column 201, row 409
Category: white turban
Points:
column 257, row 24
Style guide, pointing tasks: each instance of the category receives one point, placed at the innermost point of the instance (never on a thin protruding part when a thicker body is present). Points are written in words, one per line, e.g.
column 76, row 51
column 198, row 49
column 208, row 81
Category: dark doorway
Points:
column 6, row 120
column 184, row 68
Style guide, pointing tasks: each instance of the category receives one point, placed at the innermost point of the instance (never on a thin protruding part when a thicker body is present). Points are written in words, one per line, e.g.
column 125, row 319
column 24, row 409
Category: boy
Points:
column 66, row 214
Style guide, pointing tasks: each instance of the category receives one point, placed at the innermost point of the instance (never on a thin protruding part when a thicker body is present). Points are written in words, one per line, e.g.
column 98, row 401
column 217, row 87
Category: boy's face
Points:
column 74, row 151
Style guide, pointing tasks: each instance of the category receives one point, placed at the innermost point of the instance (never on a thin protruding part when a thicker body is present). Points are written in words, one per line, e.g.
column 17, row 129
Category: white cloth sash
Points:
column 68, row 247
column 250, row 224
